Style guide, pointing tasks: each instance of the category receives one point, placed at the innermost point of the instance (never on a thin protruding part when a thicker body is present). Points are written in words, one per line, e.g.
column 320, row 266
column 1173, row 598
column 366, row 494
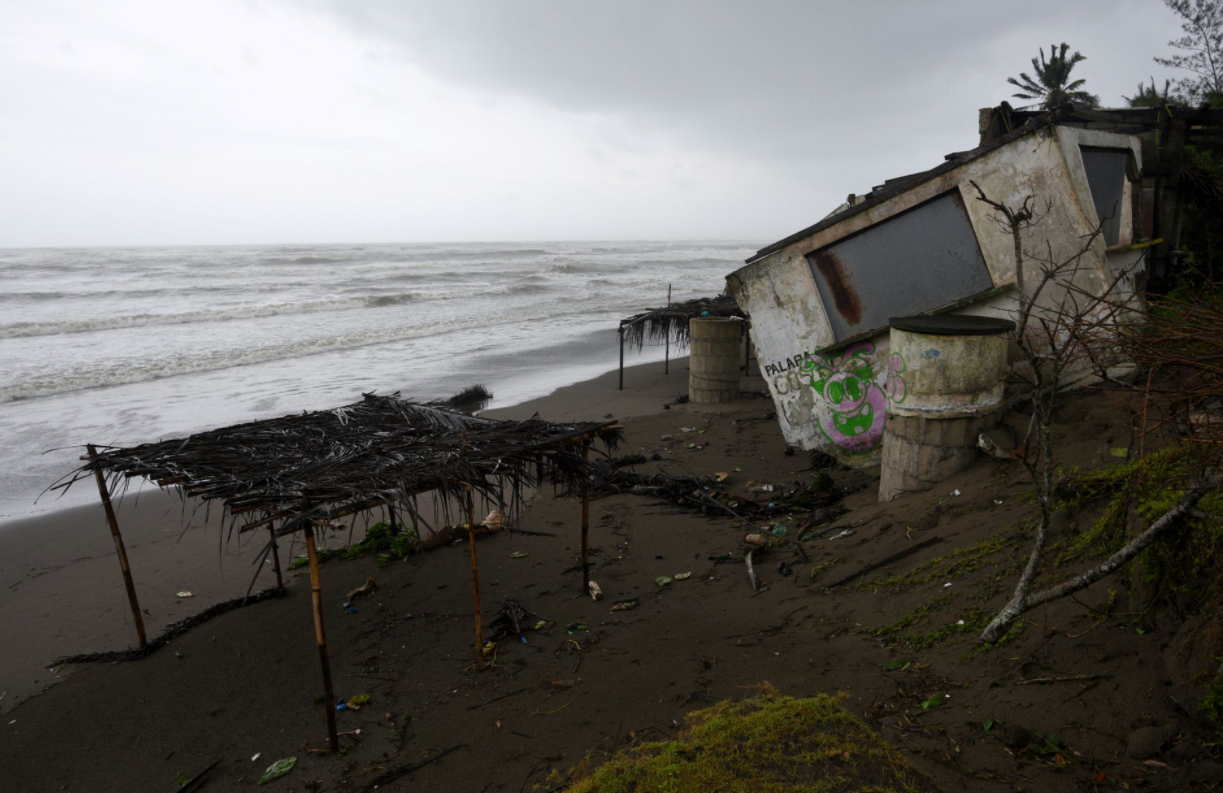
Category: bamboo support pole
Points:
column 104, row 492
column 585, row 516
column 475, row 569
column 621, row 334
column 666, row 369
column 276, row 558
column 320, row 635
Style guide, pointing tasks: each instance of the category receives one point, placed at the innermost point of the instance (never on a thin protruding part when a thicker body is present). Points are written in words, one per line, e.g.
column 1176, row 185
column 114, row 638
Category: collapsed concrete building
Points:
column 821, row 299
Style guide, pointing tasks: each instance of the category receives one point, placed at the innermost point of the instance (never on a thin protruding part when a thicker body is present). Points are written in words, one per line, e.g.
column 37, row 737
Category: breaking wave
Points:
column 22, row 329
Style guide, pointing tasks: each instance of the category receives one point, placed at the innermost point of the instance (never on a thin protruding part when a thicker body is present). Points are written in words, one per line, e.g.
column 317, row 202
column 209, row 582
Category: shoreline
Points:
column 63, row 590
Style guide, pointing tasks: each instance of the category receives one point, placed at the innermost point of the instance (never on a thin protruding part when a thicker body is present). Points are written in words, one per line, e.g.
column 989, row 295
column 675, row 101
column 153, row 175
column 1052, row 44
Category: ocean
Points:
column 118, row 346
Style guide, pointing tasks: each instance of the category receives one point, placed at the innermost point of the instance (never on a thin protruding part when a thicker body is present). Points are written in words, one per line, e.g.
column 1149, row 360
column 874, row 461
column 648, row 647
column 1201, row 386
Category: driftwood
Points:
column 896, row 557
column 177, row 629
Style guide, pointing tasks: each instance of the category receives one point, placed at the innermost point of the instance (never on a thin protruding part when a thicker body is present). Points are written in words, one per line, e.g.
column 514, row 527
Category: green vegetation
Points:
column 768, row 744
column 379, row 540
column 1212, row 704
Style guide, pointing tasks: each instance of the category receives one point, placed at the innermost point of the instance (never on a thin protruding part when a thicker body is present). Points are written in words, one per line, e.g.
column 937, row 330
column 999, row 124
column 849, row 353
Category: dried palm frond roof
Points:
column 671, row 321
column 381, row 450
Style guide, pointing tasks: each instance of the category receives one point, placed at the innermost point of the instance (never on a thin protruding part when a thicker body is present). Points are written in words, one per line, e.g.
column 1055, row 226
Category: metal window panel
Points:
column 1106, row 179
column 918, row 261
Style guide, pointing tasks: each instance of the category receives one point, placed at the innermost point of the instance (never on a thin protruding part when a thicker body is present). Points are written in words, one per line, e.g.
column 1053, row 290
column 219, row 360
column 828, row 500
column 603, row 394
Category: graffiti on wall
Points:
column 856, row 404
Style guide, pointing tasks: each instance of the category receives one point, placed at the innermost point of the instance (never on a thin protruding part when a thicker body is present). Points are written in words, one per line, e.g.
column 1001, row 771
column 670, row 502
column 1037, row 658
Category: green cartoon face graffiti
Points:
column 856, row 405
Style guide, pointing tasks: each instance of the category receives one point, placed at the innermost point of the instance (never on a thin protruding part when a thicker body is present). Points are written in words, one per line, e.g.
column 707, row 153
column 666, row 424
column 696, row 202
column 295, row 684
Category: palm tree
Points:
column 1052, row 86
column 1150, row 96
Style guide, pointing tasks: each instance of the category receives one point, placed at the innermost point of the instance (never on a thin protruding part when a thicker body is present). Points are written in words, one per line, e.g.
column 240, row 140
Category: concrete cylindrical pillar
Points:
column 949, row 371
column 713, row 365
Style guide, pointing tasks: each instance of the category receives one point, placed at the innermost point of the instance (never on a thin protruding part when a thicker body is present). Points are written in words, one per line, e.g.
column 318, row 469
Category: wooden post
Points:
column 320, row 635
column 104, row 491
column 666, row 368
column 585, row 516
column 475, row 569
column 276, row 558
column 621, row 334
column 747, row 346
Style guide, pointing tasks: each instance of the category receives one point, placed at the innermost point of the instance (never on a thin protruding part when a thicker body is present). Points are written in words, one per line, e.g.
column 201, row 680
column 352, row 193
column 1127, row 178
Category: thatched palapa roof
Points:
column 379, row 451
column 671, row 321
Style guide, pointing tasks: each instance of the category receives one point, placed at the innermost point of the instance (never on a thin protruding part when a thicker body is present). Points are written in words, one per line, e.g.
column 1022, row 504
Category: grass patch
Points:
column 958, row 562
column 768, row 744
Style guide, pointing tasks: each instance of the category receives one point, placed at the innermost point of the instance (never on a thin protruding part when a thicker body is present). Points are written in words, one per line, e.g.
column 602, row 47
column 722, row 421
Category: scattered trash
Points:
column 489, row 646
column 754, row 539
column 596, row 594
column 933, row 702
column 666, row 438
column 543, row 625
column 780, row 530
column 956, row 492
column 688, row 429
column 683, row 576
column 184, row 594
column 959, row 622
column 843, row 533
column 256, row 756
column 759, row 487
column 738, row 470
column 721, row 476
column 341, row 706
column 519, row 555
column 946, row 585
column 494, row 521
column 355, row 703
column 625, row 605
column 575, row 626
column 369, row 586
column 663, row 580
column 278, row 769
column 998, row 502
column 784, row 569
column 512, row 620
column 719, row 557
column 563, row 683
column 350, row 610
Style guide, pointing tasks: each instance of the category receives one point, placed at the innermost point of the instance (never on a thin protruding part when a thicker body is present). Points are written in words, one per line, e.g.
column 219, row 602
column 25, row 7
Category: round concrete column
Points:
column 950, row 372
column 713, row 365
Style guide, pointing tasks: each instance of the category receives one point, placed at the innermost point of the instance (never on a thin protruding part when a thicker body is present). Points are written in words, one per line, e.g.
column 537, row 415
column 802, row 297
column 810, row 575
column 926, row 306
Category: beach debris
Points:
column 784, row 569
column 779, row 530
column 543, row 625
column 519, row 555
column 184, row 594
column 719, row 557
column 625, row 605
column 575, row 626
column 563, row 683
column 683, row 576
column 755, row 539
column 256, row 756
column 688, row 429
column 494, row 521
column 842, row 533
column 596, row 593
column 278, row 769
column 355, row 703
column 663, row 580
column 751, row 570
column 721, row 476
column 513, row 620
column 759, row 487
column 738, row 470
column 956, row 492
column 667, row 437
column 369, row 586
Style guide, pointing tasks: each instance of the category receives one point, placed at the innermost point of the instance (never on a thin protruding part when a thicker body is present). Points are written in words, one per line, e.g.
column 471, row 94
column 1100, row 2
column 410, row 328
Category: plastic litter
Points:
column 596, row 594
column 184, row 594
column 256, row 756
column 683, row 576
column 355, row 703
column 754, row 539
column 576, row 625
column 278, row 769
column 663, row 580
column 519, row 555
column 780, row 530
column 625, row 605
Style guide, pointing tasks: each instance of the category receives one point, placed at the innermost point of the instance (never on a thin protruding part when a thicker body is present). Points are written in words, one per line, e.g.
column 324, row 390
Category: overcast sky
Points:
column 262, row 121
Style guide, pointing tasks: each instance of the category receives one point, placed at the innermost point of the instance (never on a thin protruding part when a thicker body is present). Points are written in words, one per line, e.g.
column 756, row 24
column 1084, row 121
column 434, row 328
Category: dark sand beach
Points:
column 240, row 690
